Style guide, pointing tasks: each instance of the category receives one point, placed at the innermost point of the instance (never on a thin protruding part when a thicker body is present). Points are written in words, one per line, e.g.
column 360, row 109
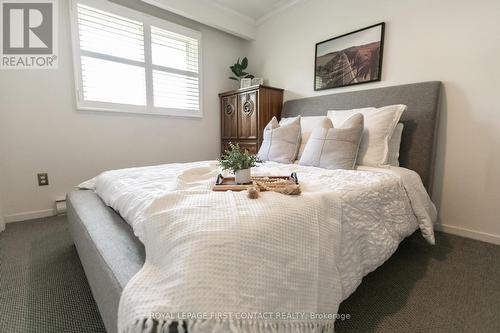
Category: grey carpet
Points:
column 43, row 287
column 451, row 287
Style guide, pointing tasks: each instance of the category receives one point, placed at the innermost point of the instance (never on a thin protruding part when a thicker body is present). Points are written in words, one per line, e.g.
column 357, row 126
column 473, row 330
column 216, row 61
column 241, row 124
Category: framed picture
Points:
column 353, row 58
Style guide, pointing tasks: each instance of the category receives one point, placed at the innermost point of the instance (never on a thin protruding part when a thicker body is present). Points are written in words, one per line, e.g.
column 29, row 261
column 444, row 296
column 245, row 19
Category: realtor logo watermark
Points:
column 29, row 34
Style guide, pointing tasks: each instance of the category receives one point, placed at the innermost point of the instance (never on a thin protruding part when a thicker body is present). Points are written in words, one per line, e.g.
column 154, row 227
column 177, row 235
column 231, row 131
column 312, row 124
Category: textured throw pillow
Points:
column 394, row 145
column 281, row 143
column 307, row 125
column 379, row 127
column 334, row 148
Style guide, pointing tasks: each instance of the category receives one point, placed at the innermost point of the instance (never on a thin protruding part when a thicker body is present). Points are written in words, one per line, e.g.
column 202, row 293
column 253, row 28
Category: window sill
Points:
column 142, row 111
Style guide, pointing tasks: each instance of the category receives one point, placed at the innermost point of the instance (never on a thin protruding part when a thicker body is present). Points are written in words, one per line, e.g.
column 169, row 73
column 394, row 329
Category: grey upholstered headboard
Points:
column 420, row 120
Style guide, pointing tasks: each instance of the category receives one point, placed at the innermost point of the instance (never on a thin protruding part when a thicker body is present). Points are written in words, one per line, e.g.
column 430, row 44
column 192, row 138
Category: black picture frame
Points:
column 367, row 59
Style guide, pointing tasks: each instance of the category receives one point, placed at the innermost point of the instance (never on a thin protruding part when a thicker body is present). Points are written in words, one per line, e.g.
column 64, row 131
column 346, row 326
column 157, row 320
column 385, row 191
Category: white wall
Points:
column 43, row 132
column 3, row 127
column 457, row 42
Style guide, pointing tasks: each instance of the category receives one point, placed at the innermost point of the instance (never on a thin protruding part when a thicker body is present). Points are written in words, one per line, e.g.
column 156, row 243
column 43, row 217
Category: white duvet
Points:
column 226, row 256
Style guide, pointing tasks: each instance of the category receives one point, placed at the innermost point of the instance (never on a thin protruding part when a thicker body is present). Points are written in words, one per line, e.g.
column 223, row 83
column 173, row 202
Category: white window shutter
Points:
column 131, row 62
column 175, row 70
column 110, row 34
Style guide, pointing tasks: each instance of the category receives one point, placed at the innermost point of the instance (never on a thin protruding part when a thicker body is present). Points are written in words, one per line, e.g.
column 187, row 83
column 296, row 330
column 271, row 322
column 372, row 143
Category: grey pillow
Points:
column 281, row 143
column 334, row 148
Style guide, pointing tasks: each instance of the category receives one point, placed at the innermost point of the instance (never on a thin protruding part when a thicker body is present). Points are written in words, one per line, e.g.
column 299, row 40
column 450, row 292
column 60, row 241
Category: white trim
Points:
column 467, row 233
column 200, row 75
column 29, row 215
column 75, row 48
column 140, row 110
column 463, row 232
column 211, row 14
column 148, row 59
column 147, row 21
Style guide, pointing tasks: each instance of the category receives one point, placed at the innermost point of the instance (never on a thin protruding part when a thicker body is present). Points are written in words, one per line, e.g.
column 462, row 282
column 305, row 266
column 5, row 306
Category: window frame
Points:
column 147, row 21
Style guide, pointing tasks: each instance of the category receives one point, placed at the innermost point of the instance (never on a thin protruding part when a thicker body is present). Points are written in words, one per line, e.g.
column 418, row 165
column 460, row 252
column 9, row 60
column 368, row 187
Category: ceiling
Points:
column 256, row 9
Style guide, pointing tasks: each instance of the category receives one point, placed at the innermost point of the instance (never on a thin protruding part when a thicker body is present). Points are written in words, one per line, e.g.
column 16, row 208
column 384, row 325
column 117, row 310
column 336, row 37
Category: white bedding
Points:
column 345, row 224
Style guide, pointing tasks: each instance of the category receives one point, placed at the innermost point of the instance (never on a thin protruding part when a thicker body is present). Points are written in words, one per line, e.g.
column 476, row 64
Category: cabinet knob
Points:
column 248, row 108
column 229, row 109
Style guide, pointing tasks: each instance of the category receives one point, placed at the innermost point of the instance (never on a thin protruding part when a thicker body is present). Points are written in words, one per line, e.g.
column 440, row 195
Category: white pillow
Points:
column 395, row 144
column 281, row 142
column 379, row 126
column 307, row 126
column 334, row 148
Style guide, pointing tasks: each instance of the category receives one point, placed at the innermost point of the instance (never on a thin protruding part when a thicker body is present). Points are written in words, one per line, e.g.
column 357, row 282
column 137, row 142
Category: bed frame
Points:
column 111, row 254
column 420, row 121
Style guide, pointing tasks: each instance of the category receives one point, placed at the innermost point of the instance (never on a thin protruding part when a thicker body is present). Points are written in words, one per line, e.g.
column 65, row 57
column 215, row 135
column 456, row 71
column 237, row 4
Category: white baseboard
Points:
column 29, row 215
column 467, row 233
column 450, row 229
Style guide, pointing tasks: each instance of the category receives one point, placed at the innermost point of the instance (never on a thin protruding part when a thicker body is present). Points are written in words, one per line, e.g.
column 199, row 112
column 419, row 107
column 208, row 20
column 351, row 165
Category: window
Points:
column 130, row 62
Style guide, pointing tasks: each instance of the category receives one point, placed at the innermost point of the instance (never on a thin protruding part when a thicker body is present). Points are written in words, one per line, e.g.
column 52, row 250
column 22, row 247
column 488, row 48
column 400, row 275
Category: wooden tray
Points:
column 229, row 184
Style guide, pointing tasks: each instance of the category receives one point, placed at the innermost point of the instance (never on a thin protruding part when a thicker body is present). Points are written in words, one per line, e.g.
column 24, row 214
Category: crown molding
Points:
column 210, row 14
column 220, row 17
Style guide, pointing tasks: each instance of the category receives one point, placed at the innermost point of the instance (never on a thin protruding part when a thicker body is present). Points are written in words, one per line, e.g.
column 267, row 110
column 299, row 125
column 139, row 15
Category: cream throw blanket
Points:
column 216, row 253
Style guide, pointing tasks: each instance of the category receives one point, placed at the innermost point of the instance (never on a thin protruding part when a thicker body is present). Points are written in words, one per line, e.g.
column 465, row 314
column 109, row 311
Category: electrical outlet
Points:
column 43, row 179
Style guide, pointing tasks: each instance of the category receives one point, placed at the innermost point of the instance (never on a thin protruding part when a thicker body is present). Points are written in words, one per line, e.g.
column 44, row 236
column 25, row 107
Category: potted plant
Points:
column 238, row 70
column 239, row 161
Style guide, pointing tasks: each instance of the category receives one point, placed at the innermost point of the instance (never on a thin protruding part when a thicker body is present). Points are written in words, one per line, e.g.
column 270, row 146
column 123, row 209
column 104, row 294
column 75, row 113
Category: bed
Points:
column 110, row 252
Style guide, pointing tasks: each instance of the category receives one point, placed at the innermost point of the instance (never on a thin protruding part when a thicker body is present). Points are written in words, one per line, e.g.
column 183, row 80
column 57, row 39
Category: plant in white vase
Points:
column 239, row 161
column 238, row 70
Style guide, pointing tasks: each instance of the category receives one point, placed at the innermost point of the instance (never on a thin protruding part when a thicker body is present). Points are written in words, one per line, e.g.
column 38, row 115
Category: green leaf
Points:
column 238, row 69
column 235, row 72
column 238, row 72
column 244, row 63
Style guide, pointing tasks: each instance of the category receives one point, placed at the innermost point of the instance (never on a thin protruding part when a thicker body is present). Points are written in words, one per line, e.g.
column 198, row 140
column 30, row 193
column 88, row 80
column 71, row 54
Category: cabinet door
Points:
column 248, row 115
column 229, row 117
